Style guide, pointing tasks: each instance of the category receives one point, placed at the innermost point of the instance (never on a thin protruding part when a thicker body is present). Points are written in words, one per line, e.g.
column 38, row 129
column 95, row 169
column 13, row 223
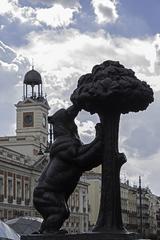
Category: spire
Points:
column 32, row 63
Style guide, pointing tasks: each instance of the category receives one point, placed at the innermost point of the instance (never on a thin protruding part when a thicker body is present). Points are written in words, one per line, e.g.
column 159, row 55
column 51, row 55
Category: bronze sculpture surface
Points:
column 109, row 90
column 69, row 158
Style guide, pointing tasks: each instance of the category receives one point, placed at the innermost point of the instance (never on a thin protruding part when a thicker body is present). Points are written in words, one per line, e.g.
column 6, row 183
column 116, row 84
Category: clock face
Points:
column 28, row 119
column 44, row 120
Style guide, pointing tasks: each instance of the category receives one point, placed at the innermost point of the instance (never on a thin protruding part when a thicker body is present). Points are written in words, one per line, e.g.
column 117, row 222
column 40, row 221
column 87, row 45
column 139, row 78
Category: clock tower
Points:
column 32, row 113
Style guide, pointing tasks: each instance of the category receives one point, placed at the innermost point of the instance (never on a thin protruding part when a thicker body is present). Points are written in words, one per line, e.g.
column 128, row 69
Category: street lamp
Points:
column 46, row 149
column 140, row 206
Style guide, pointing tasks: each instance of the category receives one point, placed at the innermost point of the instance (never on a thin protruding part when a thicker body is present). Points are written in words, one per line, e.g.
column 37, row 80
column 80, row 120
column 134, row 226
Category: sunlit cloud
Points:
column 105, row 11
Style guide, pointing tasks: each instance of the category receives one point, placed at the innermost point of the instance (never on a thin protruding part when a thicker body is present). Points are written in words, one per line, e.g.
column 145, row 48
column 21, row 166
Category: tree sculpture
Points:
column 110, row 90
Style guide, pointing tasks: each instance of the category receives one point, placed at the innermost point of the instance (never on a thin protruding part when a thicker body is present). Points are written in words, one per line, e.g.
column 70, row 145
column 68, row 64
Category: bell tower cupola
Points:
column 32, row 86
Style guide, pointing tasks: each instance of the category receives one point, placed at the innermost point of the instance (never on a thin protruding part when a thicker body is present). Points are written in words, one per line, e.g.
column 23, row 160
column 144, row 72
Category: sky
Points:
column 65, row 39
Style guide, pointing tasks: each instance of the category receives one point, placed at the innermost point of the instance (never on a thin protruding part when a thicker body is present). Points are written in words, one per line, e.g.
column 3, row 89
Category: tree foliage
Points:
column 111, row 87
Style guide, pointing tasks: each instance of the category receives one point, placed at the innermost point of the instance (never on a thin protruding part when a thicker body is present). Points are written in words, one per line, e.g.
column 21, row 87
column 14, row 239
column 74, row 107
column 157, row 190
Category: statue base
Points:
column 83, row 236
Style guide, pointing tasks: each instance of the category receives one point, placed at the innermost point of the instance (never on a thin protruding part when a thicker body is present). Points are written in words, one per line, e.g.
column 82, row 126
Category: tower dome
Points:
column 32, row 78
column 32, row 86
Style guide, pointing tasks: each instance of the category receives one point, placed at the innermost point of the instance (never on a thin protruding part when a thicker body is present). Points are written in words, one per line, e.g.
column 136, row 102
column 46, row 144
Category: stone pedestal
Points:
column 82, row 236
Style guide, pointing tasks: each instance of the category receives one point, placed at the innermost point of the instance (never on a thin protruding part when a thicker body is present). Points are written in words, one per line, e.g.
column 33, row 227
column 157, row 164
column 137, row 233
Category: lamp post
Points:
column 50, row 134
column 46, row 149
column 140, row 206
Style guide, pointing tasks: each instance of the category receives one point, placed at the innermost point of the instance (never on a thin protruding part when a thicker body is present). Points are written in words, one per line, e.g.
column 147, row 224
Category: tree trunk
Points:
column 110, row 217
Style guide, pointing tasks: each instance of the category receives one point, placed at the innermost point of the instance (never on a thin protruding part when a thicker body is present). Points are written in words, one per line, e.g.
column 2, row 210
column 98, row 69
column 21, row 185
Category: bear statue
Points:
column 69, row 158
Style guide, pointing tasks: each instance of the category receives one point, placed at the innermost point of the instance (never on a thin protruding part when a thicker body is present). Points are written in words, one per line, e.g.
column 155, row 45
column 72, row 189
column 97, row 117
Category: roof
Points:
column 25, row 225
column 32, row 77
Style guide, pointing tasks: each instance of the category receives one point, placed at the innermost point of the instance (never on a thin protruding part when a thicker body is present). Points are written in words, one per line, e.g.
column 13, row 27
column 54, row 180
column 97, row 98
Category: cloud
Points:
column 6, row 53
column 69, row 3
column 12, row 11
column 71, row 52
column 140, row 131
column 86, row 130
column 49, row 3
column 12, row 69
column 157, row 60
column 105, row 11
column 20, row 18
column 56, row 16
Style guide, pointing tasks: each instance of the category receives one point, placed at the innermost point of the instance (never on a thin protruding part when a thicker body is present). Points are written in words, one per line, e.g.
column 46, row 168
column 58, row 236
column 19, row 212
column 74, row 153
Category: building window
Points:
column 1, row 186
column 84, row 203
column 18, row 189
column 1, row 214
column 73, row 200
column 17, row 158
column 69, row 202
column 10, row 215
column 10, row 187
column 9, row 155
column 26, row 191
column 77, row 200
column 26, row 194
